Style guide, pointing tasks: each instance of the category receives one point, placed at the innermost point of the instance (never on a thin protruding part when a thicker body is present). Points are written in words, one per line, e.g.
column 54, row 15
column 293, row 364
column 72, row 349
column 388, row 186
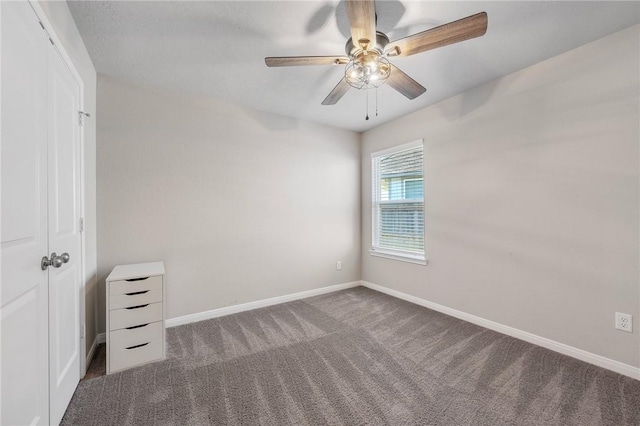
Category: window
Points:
column 413, row 188
column 398, row 203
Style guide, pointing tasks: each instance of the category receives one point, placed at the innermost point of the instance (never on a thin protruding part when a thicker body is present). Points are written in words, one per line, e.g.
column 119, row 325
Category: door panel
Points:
column 63, row 147
column 67, row 343
column 24, row 357
column 23, row 401
column 64, row 233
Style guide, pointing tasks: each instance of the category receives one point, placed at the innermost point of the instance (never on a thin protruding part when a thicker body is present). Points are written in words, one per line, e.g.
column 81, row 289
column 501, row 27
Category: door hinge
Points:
column 83, row 331
column 81, row 224
column 47, row 33
column 81, row 116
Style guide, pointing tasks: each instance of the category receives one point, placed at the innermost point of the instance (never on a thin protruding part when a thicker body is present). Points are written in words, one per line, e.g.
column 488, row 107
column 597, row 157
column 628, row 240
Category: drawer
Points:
column 136, row 298
column 126, row 337
column 121, row 358
column 136, row 315
column 134, row 285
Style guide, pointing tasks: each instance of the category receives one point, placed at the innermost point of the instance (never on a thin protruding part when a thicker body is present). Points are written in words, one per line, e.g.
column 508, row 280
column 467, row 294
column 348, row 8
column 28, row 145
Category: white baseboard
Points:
column 228, row 310
column 91, row 353
column 591, row 358
column 100, row 338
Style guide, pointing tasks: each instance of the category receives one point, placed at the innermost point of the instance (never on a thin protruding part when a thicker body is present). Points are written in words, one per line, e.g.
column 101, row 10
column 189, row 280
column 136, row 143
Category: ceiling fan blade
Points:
column 404, row 84
column 293, row 61
column 337, row 93
column 362, row 19
column 453, row 32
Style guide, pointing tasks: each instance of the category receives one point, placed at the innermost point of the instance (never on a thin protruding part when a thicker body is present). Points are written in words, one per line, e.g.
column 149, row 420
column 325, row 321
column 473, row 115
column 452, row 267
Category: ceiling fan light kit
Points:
column 367, row 66
column 367, row 72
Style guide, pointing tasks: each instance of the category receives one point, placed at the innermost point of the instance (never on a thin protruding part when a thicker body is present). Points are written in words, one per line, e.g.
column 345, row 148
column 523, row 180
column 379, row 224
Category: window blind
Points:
column 398, row 201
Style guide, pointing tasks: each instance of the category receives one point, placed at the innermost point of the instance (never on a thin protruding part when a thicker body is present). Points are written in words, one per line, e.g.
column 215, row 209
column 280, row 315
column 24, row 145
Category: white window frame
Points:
column 405, row 256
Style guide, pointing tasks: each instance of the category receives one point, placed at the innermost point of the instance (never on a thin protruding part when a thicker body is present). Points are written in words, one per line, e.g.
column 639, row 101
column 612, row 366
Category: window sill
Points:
column 417, row 259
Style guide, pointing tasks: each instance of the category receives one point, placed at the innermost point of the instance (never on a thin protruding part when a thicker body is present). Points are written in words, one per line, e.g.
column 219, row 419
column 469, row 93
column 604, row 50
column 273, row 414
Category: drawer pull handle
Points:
column 137, row 346
column 137, row 326
column 137, row 307
column 136, row 293
column 137, row 279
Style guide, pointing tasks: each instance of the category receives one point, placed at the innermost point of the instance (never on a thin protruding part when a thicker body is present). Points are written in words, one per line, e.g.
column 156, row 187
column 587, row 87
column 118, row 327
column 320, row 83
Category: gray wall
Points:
column 65, row 28
column 240, row 205
column 531, row 194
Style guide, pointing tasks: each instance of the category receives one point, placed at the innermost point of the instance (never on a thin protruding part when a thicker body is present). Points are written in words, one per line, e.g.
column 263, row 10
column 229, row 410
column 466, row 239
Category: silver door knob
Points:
column 55, row 260
column 44, row 263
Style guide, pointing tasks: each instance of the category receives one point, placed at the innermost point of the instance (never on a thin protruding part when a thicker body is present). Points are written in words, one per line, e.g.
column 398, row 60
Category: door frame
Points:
column 59, row 46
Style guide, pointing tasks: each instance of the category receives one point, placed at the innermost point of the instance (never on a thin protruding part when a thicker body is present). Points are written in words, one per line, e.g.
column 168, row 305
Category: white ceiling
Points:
column 217, row 48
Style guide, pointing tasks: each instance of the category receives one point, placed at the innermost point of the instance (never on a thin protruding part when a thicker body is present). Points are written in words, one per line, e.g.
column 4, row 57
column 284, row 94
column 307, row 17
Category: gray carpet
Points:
column 354, row 357
column 98, row 366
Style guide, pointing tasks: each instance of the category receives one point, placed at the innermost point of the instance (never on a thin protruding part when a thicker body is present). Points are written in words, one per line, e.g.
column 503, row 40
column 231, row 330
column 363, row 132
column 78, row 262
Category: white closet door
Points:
column 24, row 358
column 64, row 233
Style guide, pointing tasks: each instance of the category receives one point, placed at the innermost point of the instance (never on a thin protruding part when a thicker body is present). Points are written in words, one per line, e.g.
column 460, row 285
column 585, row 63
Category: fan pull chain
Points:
column 376, row 101
column 367, row 103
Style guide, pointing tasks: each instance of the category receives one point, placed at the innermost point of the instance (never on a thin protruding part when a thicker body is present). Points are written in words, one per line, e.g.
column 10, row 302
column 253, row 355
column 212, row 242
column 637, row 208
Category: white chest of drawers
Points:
column 135, row 315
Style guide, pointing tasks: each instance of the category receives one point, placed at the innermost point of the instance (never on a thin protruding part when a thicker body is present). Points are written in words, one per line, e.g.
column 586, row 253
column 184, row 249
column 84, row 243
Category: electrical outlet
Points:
column 624, row 322
column 338, row 265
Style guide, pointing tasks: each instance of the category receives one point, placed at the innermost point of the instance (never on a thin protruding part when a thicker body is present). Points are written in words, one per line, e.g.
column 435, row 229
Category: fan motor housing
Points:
column 353, row 51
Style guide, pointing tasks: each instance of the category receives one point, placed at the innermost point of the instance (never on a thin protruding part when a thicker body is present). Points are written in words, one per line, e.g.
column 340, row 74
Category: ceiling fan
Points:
column 367, row 51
